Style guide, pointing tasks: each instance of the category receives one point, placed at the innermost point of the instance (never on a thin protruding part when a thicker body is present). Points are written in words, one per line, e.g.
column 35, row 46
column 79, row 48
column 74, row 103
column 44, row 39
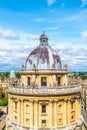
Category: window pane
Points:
column 28, row 81
column 43, row 121
column 59, row 80
column 15, row 105
column 43, row 108
column 43, row 81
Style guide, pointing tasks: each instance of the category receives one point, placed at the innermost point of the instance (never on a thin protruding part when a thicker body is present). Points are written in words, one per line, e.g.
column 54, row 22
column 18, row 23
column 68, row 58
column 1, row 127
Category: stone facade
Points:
column 44, row 101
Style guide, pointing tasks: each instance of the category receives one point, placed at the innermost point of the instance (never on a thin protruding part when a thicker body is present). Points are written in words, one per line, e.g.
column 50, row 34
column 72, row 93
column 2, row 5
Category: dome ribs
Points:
column 43, row 57
column 43, row 54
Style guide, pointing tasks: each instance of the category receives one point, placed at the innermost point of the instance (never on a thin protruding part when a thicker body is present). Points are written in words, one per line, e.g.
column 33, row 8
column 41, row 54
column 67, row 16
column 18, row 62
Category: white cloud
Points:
column 50, row 2
column 33, row 36
column 8, row 34
column 51, row 28
column 39, row 20
column 84, row 36
column 84, row 2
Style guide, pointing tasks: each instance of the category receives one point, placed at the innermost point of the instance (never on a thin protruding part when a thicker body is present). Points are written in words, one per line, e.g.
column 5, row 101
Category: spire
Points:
column 43, row 39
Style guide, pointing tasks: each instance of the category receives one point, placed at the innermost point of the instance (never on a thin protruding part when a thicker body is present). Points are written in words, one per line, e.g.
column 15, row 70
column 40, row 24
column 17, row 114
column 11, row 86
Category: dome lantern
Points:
column 43, row 39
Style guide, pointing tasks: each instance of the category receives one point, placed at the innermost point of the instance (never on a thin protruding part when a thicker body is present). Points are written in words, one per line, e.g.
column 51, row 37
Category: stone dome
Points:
column 43, row 57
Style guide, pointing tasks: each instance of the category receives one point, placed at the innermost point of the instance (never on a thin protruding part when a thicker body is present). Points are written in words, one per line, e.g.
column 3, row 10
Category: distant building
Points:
column 44, row 101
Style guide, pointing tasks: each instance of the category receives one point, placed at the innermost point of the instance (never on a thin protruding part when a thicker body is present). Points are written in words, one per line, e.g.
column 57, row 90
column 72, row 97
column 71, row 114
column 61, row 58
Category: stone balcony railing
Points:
column 50, row 71
column 45, row 90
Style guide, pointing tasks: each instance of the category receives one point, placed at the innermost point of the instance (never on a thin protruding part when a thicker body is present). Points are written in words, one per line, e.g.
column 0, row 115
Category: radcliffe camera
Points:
column 43, row 73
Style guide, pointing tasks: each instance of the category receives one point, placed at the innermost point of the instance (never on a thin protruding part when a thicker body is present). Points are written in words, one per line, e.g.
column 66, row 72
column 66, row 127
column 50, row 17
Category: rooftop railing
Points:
column 44, row 71
column 59, row 90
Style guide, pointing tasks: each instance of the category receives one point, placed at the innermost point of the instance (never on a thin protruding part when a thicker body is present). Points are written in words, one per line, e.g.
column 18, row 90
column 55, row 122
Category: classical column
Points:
column 69, row 110
column 79, row 104
column 76, row 109
column 19, row 114
column 36, row 114
column 55, row 112
column 22, row 112
column 50, row 114
column 64, row 111
column 31, row 114
column 86, row 100
column 10, row 110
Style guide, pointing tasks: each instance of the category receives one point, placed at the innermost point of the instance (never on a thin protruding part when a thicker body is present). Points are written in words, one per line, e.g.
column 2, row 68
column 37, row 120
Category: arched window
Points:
column 28, row 80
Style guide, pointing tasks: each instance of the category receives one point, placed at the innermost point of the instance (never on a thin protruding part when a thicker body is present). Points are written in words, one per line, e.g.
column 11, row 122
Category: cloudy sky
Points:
column 22, row 22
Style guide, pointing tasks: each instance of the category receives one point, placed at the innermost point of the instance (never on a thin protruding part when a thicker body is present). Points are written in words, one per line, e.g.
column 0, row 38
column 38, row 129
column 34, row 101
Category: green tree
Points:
column 17, row 74
column 4, row 101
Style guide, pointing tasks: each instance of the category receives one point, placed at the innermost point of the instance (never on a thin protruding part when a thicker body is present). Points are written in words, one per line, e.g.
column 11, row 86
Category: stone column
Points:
column 22, row 112
column 19, row 114
column 79, row 100
column 64, row 110
column 50, row 114
column 55, row 113
column 31, row 114
column 69, row 110
column 10, row 110
column 66, row 80
column 76, row 109
column 86, row 99
column 36, row 114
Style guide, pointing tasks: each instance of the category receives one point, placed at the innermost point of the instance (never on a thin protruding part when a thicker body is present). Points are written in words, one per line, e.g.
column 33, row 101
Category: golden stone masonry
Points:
column 44, row 101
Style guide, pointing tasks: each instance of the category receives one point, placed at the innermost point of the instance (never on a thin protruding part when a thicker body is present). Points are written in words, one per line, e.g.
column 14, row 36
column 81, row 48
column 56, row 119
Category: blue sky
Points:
column 22, row 22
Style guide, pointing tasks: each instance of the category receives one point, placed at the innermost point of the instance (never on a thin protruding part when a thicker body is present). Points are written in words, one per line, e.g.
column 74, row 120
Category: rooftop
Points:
column 45, row 90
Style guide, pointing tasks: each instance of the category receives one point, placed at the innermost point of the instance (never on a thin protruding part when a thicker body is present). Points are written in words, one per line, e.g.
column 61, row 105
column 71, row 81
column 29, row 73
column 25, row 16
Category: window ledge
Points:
column 44, row 114
column 44, row 124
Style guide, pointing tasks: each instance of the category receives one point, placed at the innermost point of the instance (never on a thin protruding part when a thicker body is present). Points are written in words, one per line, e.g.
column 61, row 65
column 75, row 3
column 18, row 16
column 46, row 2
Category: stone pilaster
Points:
column 31, row 114
column 69, row 108
column 19, row 112
column 50, row 114
column 36, row 114
column 22, row 112
column 55, row 113
column 64, row 111
column 76, row 109
column 11, row 110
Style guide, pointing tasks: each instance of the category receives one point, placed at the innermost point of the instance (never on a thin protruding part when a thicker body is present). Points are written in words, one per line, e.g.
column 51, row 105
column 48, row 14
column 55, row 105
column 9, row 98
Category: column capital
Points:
column 72, row 99
column 56, row 100
column 21, row 99
column 18, row 99
column 66, row 100
column 36, row 101
column 77, row 97
column 31, row 100
column 10, row 98
column 50, row 101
